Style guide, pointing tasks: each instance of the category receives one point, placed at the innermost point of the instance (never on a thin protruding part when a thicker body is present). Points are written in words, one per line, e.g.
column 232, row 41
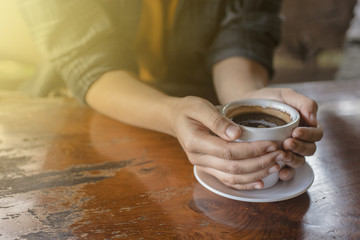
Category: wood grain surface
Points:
column 67, row 172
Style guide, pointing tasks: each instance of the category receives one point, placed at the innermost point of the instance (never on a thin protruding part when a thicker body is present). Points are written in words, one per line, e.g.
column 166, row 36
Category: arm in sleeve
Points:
column 250, row 29
column 78, row 38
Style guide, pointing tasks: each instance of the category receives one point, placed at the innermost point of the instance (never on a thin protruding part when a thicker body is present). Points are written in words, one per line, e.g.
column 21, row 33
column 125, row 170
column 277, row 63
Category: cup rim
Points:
column 294, row 114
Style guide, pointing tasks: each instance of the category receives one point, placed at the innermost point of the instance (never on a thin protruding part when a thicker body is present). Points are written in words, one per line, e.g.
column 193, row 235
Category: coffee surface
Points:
column 258, row 120
column 258, row 117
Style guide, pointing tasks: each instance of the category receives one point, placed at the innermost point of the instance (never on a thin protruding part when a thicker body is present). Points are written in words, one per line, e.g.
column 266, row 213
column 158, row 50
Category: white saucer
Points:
column 303, row 179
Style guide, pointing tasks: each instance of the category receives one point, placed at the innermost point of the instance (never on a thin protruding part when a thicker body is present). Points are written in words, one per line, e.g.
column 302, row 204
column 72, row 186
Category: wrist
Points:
column 235, row 77
column 168, row 114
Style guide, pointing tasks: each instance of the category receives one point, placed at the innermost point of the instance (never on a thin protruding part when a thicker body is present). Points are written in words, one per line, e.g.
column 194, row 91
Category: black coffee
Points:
column 258, row 120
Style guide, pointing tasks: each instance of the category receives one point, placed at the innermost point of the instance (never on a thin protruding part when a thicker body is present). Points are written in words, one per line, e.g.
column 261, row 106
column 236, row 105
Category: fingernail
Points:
column 273, row 169
column 279, row 157
column 271, row 148
column 257, row 186
column 232, row 132
column 312, row 118
column 297, row 134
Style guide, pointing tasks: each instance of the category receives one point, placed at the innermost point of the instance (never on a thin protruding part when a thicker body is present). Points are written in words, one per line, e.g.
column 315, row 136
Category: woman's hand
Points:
column 238, row 78
column 302, row 142
column 237, row 165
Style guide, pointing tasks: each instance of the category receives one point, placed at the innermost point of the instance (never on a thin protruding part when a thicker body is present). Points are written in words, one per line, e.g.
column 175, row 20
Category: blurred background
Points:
column 312, row 39
column 311, row 48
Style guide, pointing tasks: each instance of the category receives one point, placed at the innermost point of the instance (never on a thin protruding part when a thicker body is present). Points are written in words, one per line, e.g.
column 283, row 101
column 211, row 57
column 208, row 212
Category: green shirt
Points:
column 83, row 39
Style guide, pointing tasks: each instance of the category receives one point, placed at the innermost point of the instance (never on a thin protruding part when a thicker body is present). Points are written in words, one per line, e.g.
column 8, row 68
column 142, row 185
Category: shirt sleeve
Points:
column 250, row 29
column 78, row 38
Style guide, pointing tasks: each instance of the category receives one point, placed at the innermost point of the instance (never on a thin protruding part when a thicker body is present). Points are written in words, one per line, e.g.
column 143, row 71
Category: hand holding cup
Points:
column 261, row 119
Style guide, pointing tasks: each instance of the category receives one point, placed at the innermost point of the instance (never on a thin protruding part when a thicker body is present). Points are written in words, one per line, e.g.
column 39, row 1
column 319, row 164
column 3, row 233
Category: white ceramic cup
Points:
column 277, row 133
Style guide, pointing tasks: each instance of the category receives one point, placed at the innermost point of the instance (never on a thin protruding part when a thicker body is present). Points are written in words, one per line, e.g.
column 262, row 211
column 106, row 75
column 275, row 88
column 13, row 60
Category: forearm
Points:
column 236, row 76
column 120, row 95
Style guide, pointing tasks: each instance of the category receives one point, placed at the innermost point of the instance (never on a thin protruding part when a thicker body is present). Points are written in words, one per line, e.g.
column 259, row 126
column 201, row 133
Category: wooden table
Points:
column 67, row 172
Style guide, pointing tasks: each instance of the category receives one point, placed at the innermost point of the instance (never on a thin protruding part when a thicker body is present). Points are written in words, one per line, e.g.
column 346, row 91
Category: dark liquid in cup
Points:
column 258, row 120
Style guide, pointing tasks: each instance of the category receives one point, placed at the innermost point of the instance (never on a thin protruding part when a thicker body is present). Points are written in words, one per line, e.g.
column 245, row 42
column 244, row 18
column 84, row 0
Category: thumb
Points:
column 306, row 106
column 217, row 123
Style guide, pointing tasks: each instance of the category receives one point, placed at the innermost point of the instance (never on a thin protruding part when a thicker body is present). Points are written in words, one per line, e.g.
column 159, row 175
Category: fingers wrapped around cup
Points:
column 261, row 119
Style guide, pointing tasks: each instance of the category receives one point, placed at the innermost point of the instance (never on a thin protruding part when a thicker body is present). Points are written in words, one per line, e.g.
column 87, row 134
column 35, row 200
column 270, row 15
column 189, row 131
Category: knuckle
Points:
column 190, row 99
column 286, row 92
column 252, row 150
column 289, row 90
column 230, row 179
column 189, row 145
column 227, row 153
column 265, row 161
column 216, row 121
column 233, row 168
column 196, row 102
